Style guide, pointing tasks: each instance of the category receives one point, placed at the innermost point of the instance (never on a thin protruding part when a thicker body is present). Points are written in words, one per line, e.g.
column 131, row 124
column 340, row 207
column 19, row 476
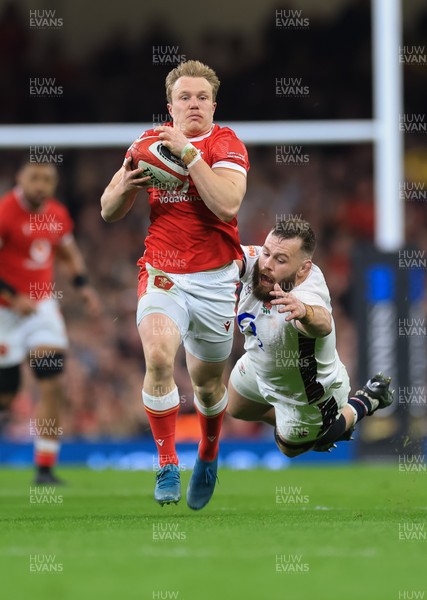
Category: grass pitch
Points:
column 333, row 533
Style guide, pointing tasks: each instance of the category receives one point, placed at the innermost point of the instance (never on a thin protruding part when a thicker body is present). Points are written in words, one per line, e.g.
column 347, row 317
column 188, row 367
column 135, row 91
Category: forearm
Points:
column 115, row 204
column 7, row 291
column 316, row 322
column 76, row 267
column 219, row 194
column 222, row 190
column 120, row 193
column 73, row 262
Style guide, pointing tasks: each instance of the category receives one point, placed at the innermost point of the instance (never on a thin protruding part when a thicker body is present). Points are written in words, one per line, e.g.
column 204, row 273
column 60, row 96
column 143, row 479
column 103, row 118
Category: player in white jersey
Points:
column 291, row 376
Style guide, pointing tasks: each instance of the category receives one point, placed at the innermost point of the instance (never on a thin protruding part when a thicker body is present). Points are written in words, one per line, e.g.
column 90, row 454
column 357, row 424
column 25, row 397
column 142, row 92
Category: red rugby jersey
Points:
column 27, row 243
column 185, row 236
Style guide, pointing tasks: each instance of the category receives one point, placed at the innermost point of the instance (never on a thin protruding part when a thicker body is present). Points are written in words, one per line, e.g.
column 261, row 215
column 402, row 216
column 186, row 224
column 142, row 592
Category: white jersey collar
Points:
column 202, row 137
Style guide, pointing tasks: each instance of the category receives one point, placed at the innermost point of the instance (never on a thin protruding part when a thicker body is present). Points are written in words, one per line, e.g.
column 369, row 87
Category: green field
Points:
column 329, row 533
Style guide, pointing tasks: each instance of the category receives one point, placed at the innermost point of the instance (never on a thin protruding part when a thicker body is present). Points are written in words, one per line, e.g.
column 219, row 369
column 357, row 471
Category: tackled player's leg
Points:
column 247, row 410
column 244, row 409
column 374, row 395
column 296, row 427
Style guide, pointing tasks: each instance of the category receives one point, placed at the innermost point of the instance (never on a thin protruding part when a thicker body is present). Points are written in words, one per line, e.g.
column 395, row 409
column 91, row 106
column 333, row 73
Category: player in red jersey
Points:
column 188, row 277
column 34, row 230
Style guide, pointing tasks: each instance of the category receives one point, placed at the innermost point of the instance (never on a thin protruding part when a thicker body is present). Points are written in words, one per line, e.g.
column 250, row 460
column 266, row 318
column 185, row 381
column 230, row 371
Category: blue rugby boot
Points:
column 168, row 485
column 202, row 483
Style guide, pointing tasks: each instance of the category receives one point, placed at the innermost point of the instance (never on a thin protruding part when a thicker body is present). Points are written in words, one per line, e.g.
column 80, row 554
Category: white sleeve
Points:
column 311, row 298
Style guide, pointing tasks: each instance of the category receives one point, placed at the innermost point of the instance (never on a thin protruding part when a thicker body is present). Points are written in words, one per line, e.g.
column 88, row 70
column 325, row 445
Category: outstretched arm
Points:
column 313, row 320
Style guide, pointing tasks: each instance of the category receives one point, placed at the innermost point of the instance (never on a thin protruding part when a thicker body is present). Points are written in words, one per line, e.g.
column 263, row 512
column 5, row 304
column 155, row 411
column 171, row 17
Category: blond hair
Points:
column 192, row 68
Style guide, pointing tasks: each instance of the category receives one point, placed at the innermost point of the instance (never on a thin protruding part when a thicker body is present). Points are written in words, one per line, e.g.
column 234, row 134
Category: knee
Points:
column 289, row 450
column 205, row 390
column 6, row 400
column 291, row 453
column 159, row 361
column 47, row 365
column 231, row 411
column 236, row 411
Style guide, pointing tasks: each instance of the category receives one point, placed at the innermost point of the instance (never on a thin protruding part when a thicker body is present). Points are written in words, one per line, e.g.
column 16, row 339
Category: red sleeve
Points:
column 228, row 151
column 7, row 214
column 3, row 222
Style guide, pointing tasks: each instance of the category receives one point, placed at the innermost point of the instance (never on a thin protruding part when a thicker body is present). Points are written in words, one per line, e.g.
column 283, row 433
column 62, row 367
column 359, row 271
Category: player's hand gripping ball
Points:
column 167, row 171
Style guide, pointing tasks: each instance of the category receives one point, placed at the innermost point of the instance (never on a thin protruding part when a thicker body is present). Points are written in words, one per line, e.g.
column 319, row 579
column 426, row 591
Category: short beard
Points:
column 259, row 291
column 35, row 204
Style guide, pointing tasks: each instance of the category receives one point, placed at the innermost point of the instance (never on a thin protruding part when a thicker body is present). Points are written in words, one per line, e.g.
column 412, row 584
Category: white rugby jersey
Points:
column 288, row 363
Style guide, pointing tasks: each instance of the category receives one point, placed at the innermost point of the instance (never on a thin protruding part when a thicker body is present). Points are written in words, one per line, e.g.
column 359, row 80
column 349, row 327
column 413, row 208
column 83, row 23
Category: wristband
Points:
column 80, row 280
column 195, row 159
column 186, row 147
column 5, row 287
column 309, row 314
column 188, row 154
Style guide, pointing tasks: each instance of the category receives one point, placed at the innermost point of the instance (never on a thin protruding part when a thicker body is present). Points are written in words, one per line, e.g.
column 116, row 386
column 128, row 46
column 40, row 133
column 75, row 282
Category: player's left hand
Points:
column 91, row 300
column 289, row 302
column 172, row 138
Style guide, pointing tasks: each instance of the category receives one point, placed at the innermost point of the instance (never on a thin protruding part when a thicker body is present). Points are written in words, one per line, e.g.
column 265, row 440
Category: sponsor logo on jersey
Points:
column 252, row 251
column 163, row 282
column 40, row 251
column 180, row 197
column 236, row 156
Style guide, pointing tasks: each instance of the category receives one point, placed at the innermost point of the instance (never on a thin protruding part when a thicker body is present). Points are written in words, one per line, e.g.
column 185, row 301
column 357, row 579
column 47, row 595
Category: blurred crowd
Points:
column 333, row 190
column 332, row 56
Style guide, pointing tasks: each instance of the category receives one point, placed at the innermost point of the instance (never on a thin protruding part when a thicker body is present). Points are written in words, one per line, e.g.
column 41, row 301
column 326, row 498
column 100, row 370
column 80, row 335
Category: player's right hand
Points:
column 23, row 305
column 132, row 178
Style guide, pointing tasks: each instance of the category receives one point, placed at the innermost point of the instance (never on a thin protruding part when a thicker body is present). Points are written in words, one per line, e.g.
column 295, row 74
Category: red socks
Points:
column 162, row 412
column 45, row 452
column 210, row 420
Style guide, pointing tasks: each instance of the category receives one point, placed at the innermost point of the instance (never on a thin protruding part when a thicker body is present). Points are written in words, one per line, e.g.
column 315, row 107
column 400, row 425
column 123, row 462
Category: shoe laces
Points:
column 210, row 476
column 167, row 476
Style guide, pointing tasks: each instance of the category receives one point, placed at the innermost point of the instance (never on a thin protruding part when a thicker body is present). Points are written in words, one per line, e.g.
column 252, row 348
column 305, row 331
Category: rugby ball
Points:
column 167, row 171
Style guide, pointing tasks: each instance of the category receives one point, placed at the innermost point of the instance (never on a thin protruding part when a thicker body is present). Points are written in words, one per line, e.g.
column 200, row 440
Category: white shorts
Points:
column 296, row 424
column 202, row 305
column 21, row 334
